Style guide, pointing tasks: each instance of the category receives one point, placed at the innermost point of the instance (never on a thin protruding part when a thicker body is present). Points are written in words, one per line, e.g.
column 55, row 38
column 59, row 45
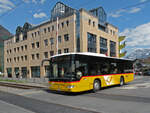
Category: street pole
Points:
column 57, row 36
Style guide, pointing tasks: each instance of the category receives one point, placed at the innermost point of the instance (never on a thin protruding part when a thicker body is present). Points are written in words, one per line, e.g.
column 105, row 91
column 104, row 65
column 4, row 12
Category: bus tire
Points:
column 121, row 81
column 96, row 85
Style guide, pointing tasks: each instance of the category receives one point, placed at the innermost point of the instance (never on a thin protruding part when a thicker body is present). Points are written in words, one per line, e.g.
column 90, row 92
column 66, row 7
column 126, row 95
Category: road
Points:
column 131, row 98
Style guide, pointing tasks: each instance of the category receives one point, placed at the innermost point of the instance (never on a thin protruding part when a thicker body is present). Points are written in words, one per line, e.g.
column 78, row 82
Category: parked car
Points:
column 146, row 73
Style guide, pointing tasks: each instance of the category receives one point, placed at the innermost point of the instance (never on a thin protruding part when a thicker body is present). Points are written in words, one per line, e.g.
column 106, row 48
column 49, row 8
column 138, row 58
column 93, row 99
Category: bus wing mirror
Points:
column 45, row 60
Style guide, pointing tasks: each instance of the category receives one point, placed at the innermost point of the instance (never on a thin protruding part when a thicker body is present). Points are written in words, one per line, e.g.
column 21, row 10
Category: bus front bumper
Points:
column 65, row 87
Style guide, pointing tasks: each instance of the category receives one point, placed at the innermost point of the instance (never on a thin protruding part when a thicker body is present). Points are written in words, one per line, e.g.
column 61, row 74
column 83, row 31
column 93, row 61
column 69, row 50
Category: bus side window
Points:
column 120, row 67
column 92, row 69
column 104, row 68
column 82, row 67
column 113, row 68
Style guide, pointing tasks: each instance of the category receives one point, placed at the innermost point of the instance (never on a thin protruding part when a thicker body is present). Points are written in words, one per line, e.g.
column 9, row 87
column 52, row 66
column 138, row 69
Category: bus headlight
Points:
column 70, row 86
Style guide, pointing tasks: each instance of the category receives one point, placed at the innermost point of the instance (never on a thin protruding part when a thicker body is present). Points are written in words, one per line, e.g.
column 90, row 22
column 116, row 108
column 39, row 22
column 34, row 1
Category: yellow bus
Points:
column 77, row 72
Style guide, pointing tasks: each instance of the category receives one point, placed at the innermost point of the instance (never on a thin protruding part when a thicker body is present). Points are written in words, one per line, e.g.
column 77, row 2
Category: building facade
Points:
column 4, row 34
column 77, row 31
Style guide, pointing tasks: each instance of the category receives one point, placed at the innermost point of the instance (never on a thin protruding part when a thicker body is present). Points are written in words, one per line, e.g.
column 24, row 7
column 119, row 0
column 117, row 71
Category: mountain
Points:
column 139, row 54
column 4, row 33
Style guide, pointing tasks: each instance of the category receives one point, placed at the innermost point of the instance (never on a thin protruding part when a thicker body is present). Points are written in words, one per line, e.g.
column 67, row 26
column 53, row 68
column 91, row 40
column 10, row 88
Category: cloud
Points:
column 143, row 0
column 39, row 15
column 5, row 5
column 42, row 1
column 7, row 2
column 35, row 1
column 122, row 11
column 26, row 1
column 117, row 13
column 137, row 37
column 135, row 10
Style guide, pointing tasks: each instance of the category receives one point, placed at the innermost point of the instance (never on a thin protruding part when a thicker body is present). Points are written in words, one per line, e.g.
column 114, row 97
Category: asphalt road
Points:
column 37, row 106
column 131, row 98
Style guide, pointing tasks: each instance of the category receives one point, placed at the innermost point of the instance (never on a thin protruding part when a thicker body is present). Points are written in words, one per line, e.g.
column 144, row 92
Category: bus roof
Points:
column 90, row 54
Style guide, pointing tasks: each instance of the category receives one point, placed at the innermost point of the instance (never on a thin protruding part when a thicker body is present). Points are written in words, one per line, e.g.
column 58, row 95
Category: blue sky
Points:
column 133, row 22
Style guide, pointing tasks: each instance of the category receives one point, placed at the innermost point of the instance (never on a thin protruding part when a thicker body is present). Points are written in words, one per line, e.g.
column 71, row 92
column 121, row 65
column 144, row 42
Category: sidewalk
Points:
column 43, row 82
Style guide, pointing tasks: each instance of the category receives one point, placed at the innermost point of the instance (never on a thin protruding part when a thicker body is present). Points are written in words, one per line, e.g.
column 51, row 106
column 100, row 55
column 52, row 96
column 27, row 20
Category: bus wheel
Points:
column 96, row 85
column 121, row 81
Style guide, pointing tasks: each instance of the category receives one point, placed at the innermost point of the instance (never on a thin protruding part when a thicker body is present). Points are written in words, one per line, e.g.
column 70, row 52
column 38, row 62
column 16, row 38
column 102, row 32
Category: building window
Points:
column 22, row 58
column 33, row 45
column 48, row 29
column 67, row 22
column 7, row 60
column 35, row 72
column 22, row 48
column 51, row 53
column 10, row 51
column 89, row 21
column 46, row 54
column 93, row 24
column 51, row 41
column 17, row 38
column 114, row 32
column 66, row 50
column 25, row 36
column 66, row 37
column 46, row 42
column 59, row 39
column 14, row 49
column 24, row 72
column 18, row 49
column 103, row 46
column 7, row 52
column 25, row 57
column 62, row 24
column 10, row 59
column 35, row 34
column 18, row 59
column 111, row 32
column 59, row 51
column 37, row 44
column 25, row 47
column 44, row 30
column 38, row 32
column 91, row 42
column 33, row 57
column 37, row 56
column 52, row 28
column 32, row 35
column 15, row 59
column 112, row 49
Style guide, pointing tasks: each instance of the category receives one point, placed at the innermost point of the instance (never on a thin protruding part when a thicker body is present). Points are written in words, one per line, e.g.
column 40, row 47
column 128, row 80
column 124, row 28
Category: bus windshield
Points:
column 62, row 67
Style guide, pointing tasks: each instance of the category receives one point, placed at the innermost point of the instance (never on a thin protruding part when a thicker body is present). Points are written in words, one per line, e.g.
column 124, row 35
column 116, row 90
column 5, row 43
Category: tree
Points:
column 122, row 46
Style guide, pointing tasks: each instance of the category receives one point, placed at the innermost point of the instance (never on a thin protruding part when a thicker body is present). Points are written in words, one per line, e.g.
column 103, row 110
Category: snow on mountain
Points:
column 139, row 54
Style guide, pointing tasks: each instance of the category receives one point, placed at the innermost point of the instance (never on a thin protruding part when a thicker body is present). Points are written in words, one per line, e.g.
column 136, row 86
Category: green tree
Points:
column 122, row 46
